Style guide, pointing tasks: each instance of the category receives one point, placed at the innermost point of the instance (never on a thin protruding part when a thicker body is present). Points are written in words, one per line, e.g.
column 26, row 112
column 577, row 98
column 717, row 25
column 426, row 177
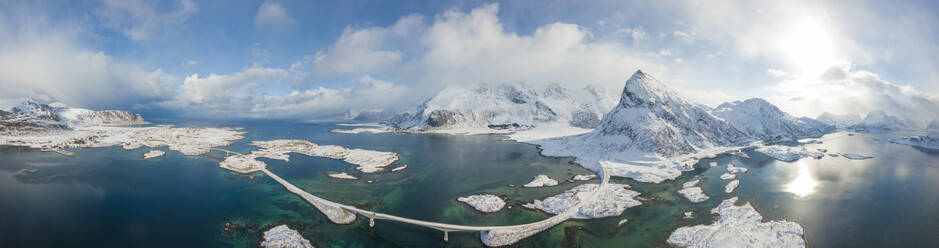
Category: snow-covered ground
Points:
column 788, row 153
column 611, row 201
column 399, row 168
column 855, row 156
column 485, row 203
column 731, row 186
column 728, row 176
column 343, row 175
column 153, row 154
column 283, row 237
column 584, row 177
column 739, row 226
column 731, row 168
column 189, row 141
column 541, row 181
column 372, row 130
column 694, row 194
column 366, row 161
column 929, row 141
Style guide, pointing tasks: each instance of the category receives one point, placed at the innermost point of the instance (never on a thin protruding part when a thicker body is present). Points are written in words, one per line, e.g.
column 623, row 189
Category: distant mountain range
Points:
column 29, row 115
column 508, row 107
column 649, row 117
column 875, row 121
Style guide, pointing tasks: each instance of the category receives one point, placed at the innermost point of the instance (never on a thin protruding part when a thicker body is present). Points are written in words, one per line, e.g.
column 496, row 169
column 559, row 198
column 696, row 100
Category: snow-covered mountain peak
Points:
column 28, row 114
column 645, row 90
column 762, row 120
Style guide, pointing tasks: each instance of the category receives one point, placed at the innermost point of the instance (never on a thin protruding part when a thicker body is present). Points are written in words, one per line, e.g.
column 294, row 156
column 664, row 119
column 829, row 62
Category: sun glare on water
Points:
column 804, row 184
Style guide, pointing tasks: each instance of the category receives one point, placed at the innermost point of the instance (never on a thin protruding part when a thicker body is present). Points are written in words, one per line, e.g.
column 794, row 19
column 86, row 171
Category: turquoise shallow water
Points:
column 109, row 197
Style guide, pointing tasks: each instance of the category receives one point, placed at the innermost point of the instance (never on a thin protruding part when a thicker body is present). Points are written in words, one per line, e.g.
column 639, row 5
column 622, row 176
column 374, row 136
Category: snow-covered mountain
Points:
column 880, row 121
column 507, row 107
column 762, row 120
column 652, row 118
column 840, row 121
column 30, row 115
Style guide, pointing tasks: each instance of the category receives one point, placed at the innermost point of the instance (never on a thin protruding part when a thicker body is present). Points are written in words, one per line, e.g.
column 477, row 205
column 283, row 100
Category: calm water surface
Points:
column 110, row 197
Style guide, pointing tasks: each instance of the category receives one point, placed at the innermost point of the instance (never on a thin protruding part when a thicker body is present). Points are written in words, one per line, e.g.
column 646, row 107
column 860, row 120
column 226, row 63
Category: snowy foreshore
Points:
column 485, row 203
column 366, row 161
column 739, row 226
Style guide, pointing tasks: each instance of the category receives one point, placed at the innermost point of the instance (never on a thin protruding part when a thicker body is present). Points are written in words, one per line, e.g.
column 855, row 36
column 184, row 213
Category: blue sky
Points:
column 318, row 59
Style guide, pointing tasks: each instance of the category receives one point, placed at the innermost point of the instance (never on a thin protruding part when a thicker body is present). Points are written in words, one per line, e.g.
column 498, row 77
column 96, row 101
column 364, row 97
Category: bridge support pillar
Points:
column 445, row 236
column 371, row 222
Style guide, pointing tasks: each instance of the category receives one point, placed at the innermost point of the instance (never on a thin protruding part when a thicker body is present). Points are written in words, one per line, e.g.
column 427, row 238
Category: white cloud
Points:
column 842, row 89
column 272, row 15
column 367, row 51
column 138, row 19
column 777, row 73
column 190, row 63
column 665, row 52
column 42, row 61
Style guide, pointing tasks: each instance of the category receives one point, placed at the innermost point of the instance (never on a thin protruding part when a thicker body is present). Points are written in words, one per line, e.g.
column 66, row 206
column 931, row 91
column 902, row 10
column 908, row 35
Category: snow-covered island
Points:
column 541, row 181
column 57, row 126
column 485, row 203
column 283, row 237
column 342, row 175
column 929, row 141
column 612, row 200
column 366, row 161
column 584, row 177
column 853, row 156
column 153, row 154
column 729, row 188
column 789, row 153
column 739, row 226
column 728, row 176
column 692, row 192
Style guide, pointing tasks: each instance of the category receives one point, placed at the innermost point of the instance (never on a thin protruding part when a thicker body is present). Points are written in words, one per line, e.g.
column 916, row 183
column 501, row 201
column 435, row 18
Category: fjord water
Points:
column 110, row 197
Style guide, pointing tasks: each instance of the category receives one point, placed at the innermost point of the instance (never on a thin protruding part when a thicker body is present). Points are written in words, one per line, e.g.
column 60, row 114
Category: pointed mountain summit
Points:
column 651, row 117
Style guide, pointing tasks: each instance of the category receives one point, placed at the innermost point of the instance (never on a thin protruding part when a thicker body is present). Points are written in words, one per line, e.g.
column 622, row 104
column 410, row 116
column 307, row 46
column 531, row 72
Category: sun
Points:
column 807, row 45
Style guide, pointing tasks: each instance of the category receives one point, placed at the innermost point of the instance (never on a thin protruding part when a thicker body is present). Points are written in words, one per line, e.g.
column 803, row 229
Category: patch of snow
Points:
column 611, row 201
column 283, row 237
column 343, row 176
column 584, row 177
column 372, row 130
column 690, row 184
column 153, row 154
column 731, row 168
column 541, row 181
column 855, row 156
column 694, row 194
column 399, row 168
column 788, row 153
column 739, row 226
column 486, row 203
column 621, row 222
column 728, row 176
column 930, row 141
column 731, row 186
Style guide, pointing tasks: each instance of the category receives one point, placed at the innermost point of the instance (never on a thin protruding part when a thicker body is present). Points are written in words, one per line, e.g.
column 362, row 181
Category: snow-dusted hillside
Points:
column 502, row 107
column 840, row 121
column 880, row 121
column 760, row 119
column 27, row 115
